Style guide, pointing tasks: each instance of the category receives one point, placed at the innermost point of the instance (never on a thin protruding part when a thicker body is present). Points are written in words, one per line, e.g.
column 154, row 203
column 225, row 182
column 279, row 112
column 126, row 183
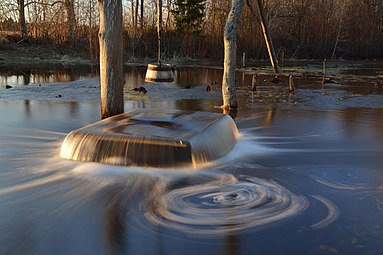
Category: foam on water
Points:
column 223, row 205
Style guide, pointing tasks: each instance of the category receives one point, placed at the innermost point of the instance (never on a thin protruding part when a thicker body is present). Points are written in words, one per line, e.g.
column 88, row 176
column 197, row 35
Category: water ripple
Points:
column 225, row 205
column 333, row 213
column 339, row 185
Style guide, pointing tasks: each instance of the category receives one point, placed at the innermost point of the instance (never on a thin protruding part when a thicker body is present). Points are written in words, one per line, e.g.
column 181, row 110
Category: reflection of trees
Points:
column 231, row 245
column 190, row 104
column 194, row 76
column 45, row 74
column 27, row 78
column 269, row 117
column 116, row 224
column 134, row 190
column 140, row 103
column 352, row 118
column 73, row 108
column 134, row 76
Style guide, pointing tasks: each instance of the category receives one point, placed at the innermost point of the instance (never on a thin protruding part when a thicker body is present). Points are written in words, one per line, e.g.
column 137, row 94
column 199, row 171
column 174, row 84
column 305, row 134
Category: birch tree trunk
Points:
column 111, row 71
column 229, row 39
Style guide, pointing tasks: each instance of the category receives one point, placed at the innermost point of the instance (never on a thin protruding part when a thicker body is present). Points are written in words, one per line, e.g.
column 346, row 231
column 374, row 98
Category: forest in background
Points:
column 301, row 29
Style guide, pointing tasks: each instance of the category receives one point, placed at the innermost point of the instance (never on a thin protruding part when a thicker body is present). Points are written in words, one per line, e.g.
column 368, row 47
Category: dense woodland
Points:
column 194, row 28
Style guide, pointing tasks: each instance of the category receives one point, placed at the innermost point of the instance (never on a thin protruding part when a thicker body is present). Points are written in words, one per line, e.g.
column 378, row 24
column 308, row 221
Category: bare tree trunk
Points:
column 134, row 36
column 132, row 7
column 142, row 15
column 71, row 20
column 168, row 6
column 267, row 36
column 229, row 39
column 159, row 29
column 23, row 27
column 90, row 31
column 136, row 18
column 111, row 71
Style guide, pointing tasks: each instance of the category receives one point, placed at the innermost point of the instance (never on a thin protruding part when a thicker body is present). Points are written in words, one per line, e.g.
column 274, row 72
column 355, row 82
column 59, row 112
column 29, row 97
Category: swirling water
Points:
column 302, row 182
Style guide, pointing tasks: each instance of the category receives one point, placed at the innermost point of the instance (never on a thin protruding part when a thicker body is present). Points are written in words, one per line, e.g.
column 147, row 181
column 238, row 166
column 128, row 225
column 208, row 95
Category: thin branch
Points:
column 46, row 4
column 252, row 10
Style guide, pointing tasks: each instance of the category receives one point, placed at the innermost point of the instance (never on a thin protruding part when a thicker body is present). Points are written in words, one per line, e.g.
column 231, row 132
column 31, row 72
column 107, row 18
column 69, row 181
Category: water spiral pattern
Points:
column 225, row 205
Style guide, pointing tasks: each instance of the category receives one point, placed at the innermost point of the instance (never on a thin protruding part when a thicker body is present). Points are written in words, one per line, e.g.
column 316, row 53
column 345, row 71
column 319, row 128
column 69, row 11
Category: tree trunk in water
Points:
column 23, row 27
column 111, row 71
column 229, row 39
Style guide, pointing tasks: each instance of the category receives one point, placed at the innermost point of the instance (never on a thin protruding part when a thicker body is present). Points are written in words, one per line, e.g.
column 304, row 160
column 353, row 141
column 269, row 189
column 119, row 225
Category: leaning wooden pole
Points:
column 111, row 70
column 229, row 38
column 159, row 29
column 267, row 36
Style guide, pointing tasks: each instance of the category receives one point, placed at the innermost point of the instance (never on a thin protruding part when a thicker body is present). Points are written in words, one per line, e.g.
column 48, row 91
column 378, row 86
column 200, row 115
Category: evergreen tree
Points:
column 189, row 15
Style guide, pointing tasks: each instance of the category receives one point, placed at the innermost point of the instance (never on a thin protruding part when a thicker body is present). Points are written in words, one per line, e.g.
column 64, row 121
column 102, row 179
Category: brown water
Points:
column 304, row 178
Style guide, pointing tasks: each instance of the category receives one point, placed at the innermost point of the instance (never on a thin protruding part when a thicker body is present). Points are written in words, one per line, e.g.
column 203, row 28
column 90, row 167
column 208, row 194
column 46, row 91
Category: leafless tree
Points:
column 230, row 42
column 111, row 71
column 23, row 27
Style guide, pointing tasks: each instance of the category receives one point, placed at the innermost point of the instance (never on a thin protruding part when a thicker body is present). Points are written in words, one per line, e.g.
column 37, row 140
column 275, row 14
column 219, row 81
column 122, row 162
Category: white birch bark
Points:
column 111, row 71
column 229, row 38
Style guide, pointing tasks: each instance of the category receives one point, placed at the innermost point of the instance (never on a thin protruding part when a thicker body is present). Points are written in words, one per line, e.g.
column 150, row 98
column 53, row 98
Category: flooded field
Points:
column 306, row 176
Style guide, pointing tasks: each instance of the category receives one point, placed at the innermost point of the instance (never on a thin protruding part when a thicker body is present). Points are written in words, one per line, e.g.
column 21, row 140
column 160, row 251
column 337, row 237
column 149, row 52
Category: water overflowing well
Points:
column 156, row 139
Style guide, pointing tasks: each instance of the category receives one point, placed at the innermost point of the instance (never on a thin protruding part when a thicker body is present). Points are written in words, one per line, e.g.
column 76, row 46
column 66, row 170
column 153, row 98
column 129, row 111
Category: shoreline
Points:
column 21, row 56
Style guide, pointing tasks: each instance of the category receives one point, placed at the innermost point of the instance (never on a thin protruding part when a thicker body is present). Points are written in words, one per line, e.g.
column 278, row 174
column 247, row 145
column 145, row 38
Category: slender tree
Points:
column 23, row 27
column 159, row 30
column 229, row 39
column 142, row 15
column 111, row 71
